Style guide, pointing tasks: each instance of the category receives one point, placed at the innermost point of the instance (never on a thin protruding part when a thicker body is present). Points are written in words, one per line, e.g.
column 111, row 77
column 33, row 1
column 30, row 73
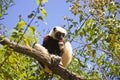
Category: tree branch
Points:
column 41, row 57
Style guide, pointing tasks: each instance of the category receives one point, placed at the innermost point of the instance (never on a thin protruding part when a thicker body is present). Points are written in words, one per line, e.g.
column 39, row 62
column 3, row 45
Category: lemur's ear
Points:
column 54, row 28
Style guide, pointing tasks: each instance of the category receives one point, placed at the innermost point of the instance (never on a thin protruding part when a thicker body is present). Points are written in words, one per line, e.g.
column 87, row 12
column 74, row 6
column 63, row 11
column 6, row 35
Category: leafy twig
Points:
column 107, row 52
column 35, row 14
column 83, row 23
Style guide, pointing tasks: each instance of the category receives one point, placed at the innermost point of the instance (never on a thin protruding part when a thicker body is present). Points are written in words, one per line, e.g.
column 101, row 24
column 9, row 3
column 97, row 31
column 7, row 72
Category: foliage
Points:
column 97, row 32
column 94, row 32
column 4, row 5
column 22, row 67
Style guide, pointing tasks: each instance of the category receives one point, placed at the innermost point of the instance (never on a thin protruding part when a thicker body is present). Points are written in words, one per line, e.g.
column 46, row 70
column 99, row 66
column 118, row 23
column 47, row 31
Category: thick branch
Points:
column 41, row 57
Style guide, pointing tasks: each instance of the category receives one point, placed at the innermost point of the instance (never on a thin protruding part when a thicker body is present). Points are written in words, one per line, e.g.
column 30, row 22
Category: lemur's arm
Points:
column 67, row 54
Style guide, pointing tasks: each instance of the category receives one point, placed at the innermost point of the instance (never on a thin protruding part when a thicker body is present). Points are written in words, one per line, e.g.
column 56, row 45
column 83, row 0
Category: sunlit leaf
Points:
column 38, row 1
column 1, row 15
column 65, row 17
column 42, row 10
column 111, row 8
column 82, row 64
column 89, row 22
column 21, row 24
column 44, row 1
column 113, row 37
column 12, row 59
column 117, row 45
column 99, row 61
column 32, row 29
column 26, row 42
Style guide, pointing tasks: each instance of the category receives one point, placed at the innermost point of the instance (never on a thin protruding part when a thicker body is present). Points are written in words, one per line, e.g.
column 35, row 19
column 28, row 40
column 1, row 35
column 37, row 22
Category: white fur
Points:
column 41, row 48
column 58, row 29
column 67, row 54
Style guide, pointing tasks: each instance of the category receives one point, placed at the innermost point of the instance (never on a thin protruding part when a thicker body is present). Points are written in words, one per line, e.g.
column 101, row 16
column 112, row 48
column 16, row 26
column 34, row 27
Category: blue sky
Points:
column 56, row 9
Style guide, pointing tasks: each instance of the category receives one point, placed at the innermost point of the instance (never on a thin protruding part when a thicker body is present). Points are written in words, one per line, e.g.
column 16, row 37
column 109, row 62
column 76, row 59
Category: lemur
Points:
column 55, row 44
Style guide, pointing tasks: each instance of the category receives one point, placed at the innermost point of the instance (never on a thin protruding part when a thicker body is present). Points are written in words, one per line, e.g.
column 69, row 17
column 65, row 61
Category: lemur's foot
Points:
column 55, row 60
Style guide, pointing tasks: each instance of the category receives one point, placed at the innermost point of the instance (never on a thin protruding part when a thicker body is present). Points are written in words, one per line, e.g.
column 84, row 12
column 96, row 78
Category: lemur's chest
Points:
column 52, row 46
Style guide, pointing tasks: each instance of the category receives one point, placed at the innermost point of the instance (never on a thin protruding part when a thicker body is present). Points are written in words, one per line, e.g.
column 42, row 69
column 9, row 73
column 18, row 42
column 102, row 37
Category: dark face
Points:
column 59, row 36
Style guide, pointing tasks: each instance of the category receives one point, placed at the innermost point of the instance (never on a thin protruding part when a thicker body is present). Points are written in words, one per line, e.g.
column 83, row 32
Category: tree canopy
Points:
column 93, row 29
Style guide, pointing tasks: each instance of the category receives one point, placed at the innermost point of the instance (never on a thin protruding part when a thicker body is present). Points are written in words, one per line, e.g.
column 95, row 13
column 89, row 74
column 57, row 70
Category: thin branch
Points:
column 35, row 14
column 41, row 57
column 83, row 23
column 107, row 52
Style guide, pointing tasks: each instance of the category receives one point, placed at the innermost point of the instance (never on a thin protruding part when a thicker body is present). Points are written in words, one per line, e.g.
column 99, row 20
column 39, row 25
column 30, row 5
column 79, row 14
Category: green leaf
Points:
column 31, row 15
column 89, row 22
column 12, row 59
column 99, row 61
column 40, row 18
column 93, row 53
column 82, row 64
column 64, row 17
column 38, row 1
column 44, row 1
column 21, row 24
column 32, row 29
column 1, row 15
column 81, row 18
column 111, row 8
column 27, row 43
column 14, row 35
column 81, row 33
column 98, row 38
column 44, row 13
column 89, row 47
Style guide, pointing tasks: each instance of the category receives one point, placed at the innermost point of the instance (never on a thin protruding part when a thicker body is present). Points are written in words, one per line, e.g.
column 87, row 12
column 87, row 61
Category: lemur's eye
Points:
column 63, row 35
column 58, row 34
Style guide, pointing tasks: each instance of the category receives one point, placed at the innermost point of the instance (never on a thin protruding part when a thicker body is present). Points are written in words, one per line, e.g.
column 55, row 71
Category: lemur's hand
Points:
column 61, row 44
column 55, row 60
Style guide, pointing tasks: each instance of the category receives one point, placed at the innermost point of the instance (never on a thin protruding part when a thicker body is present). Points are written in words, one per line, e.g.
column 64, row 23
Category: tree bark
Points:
column 41, row 57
